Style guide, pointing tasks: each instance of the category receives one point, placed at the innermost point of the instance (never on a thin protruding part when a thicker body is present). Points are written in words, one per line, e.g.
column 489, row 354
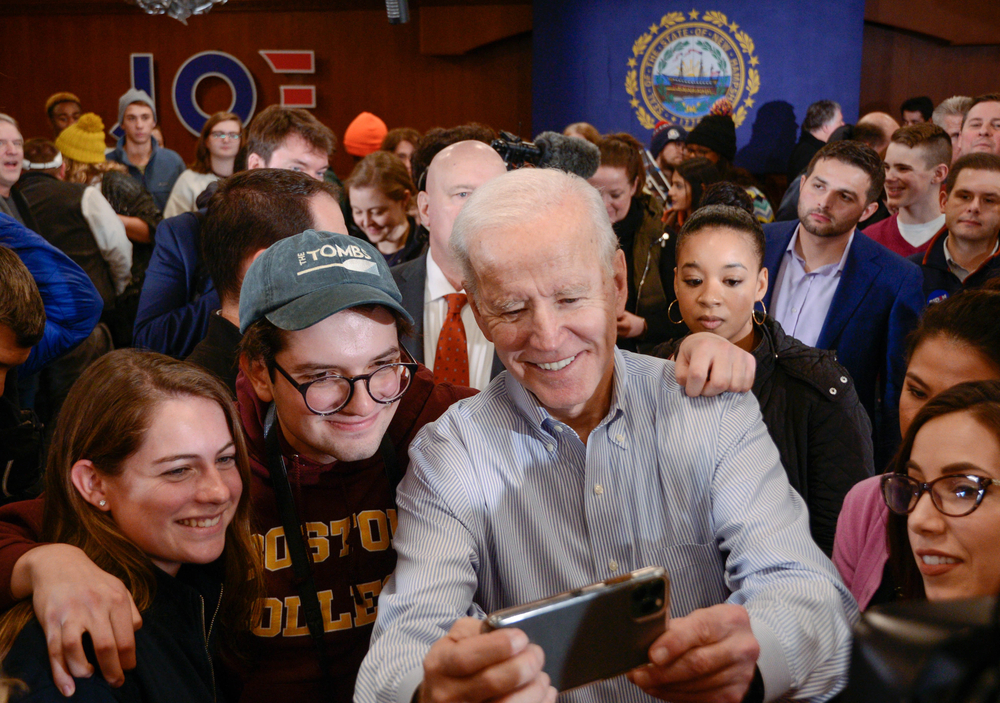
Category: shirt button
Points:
column 598, row 489
column 613, row 565
column 620, row 438
column 550, row 447
column 559, row 428
column 794, row 310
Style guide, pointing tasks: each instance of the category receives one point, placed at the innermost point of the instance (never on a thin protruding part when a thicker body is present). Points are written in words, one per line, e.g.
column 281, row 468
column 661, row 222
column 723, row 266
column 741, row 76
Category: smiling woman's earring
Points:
column 671, row 307
column 763, row 315
column 102, row 502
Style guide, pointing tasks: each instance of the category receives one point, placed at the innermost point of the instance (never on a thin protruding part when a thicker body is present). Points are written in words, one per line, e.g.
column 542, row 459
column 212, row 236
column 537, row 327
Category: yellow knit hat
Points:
column 83, row 141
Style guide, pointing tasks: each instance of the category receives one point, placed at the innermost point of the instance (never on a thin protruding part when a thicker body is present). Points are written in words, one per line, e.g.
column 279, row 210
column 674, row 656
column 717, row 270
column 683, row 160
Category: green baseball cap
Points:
column 304, row 279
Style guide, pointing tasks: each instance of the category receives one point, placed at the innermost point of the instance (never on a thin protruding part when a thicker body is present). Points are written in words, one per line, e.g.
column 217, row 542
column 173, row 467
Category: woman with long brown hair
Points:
column 214, row 158
column 146, row 475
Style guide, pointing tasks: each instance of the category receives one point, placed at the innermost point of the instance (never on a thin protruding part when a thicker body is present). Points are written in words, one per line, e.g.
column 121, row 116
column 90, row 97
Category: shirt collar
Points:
column 527, row 404
column 790, row 249
column 438, row 285
column 954, row 265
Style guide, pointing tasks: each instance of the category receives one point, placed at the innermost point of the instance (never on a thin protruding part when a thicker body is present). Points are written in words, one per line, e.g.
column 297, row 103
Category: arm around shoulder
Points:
column 20, row 530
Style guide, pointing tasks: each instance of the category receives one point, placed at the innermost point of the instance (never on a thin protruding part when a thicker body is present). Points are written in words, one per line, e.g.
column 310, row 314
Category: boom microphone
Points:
column 568, row 153
column 550, row 150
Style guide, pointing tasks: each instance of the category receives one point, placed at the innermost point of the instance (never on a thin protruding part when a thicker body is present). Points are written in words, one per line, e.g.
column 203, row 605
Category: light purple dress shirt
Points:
column 802, row 299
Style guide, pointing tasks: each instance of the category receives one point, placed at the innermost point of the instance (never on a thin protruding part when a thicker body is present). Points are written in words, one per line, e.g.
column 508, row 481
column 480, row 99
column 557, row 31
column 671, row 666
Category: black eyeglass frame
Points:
column 982, row 483
column 303, row 388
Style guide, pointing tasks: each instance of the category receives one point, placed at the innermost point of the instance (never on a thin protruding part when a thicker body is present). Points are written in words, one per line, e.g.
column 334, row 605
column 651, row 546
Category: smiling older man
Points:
column 582, row 463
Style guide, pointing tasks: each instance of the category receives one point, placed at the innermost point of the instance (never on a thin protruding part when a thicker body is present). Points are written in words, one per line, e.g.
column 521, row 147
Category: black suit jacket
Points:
column 411, row 278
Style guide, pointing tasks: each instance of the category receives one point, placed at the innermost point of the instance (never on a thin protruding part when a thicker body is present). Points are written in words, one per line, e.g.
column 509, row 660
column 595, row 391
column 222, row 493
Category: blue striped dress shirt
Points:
column 503, row 505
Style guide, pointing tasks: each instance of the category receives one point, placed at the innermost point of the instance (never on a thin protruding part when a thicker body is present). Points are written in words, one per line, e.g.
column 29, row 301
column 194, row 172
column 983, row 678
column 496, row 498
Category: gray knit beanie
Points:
column 135, row 96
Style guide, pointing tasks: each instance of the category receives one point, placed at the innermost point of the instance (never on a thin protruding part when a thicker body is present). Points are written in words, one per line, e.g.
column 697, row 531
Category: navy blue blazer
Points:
column 411, row 277
column 877, row 304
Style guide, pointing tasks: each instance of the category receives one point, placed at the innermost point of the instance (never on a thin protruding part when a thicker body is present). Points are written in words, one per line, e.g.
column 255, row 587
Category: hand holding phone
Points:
column 595, row 632
column 468, row 666
column 709, row 654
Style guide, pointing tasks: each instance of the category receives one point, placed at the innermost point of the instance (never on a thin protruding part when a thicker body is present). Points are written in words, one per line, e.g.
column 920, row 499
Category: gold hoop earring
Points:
column 671, row 307
column 763, row 314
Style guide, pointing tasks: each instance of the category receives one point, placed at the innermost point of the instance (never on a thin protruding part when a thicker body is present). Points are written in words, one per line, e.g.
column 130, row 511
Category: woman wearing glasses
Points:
column 944, row 499
column 955, row 342
column 214, row 158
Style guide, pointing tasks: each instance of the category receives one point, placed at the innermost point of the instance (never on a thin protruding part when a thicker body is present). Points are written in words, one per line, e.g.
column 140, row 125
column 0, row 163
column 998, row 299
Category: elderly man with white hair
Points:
column 581, row 463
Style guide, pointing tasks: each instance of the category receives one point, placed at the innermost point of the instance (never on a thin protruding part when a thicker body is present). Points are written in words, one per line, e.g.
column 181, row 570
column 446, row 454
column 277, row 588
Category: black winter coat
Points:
column 813, row 414
column 173, row 648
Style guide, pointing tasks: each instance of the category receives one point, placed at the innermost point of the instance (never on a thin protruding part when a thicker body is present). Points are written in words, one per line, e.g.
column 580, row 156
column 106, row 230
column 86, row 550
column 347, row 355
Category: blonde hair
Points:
column 90, row 174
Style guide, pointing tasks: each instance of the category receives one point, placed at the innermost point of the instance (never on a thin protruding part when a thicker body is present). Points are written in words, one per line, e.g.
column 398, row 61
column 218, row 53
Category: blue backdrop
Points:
column 623, row 64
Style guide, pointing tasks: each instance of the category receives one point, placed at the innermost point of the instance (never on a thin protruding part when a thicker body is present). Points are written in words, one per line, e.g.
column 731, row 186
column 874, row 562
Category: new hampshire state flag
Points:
column 623, row 65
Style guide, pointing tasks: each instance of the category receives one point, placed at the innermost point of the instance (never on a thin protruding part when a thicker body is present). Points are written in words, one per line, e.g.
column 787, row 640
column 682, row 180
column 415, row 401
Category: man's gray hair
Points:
column 4, row 117
column 956, row 105
column 522, row 196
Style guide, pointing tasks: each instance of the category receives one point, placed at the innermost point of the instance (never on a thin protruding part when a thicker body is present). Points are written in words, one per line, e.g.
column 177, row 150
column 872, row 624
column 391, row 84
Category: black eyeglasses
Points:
column 331, row 394
column 955, row 495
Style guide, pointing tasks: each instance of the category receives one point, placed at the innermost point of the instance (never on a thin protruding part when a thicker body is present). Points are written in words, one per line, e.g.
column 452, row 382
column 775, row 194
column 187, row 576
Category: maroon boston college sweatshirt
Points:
column 349, row 515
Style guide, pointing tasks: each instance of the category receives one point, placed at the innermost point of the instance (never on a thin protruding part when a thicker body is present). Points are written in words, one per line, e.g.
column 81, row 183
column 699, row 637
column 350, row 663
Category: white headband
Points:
column 54, row 163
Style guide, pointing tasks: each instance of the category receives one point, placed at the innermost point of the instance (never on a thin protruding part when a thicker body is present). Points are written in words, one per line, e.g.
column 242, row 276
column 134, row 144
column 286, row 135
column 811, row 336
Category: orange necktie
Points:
column 451, row 360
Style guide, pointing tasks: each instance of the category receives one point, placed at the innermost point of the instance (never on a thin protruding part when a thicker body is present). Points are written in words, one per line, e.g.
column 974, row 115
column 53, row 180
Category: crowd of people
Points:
column 267, row 434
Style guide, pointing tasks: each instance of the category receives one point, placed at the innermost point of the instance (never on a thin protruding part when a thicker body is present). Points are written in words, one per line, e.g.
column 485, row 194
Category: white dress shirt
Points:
column 435, row 310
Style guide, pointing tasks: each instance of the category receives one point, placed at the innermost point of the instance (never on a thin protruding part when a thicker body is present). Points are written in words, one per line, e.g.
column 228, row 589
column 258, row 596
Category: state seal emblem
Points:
column 685, row 63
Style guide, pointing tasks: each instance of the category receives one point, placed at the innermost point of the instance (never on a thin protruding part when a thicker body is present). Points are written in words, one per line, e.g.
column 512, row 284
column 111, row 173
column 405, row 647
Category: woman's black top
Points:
column 175, row 650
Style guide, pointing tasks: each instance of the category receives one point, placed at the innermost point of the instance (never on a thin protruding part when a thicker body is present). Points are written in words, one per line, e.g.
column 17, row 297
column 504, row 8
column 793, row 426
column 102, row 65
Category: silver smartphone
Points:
column 595, row 632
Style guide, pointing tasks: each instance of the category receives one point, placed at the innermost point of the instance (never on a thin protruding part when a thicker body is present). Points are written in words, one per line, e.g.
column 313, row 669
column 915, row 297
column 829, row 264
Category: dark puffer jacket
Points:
column 814, row 416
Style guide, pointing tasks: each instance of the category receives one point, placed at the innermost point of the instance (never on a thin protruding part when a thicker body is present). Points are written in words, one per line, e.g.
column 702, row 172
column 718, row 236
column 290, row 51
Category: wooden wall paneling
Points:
column 965, row 22
column 898, row 64
column 363, row 63
column 452, row 31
